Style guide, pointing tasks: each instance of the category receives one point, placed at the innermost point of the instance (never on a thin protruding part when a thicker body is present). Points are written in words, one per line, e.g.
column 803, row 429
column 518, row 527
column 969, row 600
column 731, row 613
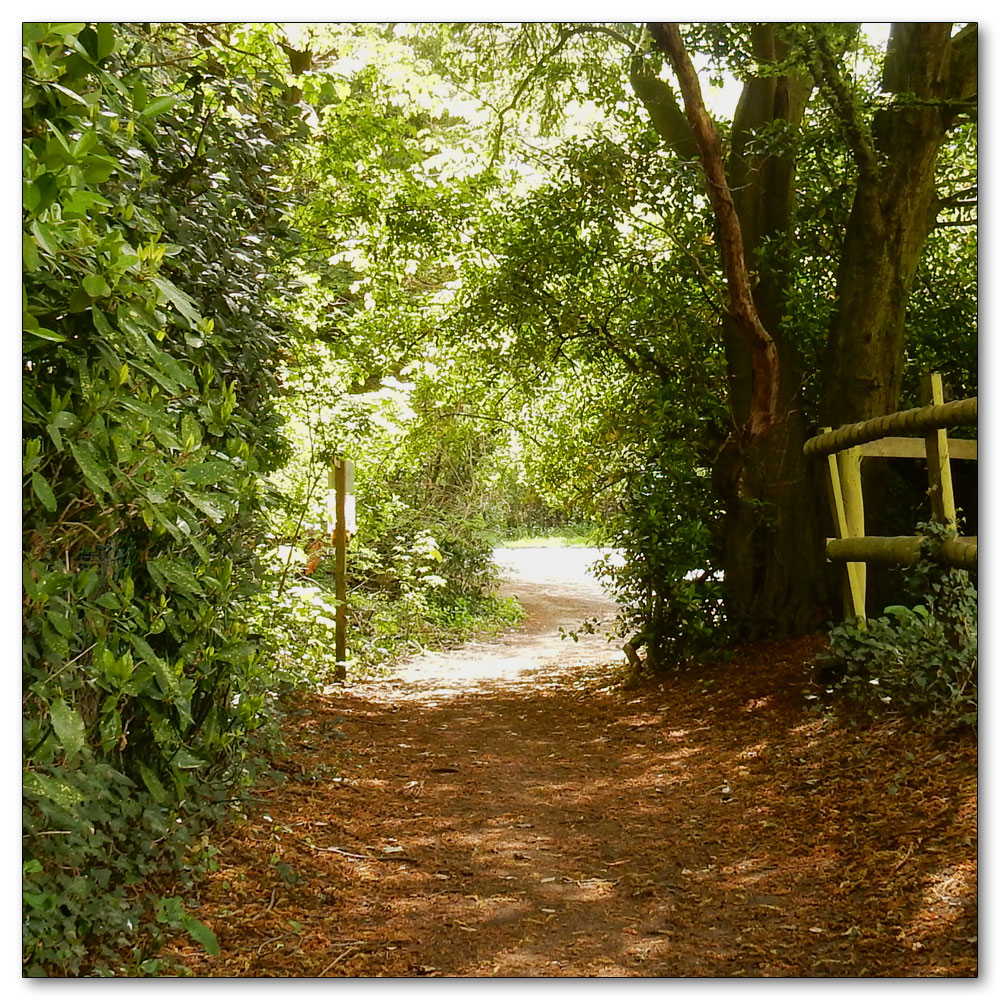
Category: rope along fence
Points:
column 844, row 449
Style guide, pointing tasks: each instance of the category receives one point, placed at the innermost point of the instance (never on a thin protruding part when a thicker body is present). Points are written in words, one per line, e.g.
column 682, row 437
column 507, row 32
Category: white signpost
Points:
column 342, row 518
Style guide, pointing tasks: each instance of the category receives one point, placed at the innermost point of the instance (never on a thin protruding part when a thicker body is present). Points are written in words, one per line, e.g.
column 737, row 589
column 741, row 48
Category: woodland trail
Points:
column 513, row 809
column 557, row 592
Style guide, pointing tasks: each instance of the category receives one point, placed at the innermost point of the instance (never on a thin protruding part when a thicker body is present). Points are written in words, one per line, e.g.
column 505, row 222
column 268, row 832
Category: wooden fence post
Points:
column 847, row 506
column 939, row 490
column 849, row 467
column 340, row 565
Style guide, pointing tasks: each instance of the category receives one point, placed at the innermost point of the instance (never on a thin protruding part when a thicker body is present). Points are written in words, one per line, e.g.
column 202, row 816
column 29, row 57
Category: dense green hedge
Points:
column 151, row 224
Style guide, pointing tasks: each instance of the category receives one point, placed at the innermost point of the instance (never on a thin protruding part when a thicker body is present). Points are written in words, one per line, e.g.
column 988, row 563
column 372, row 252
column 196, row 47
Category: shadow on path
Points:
column 510, row 809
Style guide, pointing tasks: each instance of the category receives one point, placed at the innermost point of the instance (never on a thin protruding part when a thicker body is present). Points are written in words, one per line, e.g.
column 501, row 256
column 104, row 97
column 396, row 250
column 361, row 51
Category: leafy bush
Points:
column 916, row 660
column 666, row 580
column 150, row 219
column 399, row 602
column 102, row 836
column 296, row 624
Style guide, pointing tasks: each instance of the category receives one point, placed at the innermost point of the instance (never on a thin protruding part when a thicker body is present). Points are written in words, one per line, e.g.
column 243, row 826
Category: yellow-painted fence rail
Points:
column 844, row 449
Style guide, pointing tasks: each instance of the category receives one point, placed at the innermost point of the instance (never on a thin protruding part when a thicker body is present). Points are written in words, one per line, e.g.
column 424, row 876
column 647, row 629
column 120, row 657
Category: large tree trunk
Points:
column 894, row 209
column 772, row 539
column 930, row 75
column 776, row 580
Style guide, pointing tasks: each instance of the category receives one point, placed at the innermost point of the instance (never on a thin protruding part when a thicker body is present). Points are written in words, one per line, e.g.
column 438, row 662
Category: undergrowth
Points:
column 92, row 903
column 919, row 659
column 297, row 621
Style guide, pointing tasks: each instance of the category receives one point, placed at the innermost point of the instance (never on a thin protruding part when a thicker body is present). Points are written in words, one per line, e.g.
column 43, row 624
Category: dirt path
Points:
column 512, row 810
column 557, row 592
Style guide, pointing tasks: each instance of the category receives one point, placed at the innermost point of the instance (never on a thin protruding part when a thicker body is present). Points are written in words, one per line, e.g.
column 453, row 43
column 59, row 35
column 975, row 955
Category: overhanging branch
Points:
column 565, row 35
column 827, row 72
column 665, row 113
column 763, row 351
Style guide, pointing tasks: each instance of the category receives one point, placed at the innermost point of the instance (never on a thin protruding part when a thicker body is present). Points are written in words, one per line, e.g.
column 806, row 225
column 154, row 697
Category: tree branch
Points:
column 603, row 29
column 488, row 416
column 958, row 197
column 165, row 62
column 565, row 35
column 763, row 351
column 963, row 81
column 225, row 43
column 665, row 113
column 522, row 87
column 827, row 71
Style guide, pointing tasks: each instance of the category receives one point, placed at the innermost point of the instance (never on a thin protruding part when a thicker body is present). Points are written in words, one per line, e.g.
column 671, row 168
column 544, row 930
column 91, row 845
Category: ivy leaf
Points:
column 202, row 933
column 68, row 726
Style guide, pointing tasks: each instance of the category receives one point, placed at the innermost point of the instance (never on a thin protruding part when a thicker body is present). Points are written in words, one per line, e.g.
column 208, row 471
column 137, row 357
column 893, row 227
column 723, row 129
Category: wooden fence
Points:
column 844, row 450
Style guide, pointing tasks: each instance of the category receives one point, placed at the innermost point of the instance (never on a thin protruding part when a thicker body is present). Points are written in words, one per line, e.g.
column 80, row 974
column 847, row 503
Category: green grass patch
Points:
column 573, row 535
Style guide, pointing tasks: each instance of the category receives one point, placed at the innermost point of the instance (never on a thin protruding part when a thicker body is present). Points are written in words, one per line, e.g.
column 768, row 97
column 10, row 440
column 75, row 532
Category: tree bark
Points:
column 741, row 311
column 930, row 75
column 776, row 581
